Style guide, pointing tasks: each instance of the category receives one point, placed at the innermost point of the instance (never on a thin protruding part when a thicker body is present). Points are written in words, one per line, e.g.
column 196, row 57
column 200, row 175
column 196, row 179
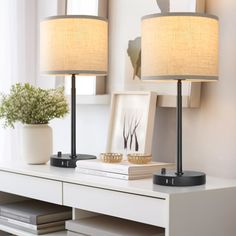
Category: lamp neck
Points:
column 179, row 128
column 73, row 116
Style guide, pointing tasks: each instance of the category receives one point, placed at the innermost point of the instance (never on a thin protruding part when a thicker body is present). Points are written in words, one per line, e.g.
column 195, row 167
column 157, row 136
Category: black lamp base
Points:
column 188, row 178
column 66, row 161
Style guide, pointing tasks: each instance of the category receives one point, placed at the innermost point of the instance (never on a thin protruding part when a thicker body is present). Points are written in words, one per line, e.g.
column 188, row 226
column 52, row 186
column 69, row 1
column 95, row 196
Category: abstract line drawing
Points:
column 130, row 136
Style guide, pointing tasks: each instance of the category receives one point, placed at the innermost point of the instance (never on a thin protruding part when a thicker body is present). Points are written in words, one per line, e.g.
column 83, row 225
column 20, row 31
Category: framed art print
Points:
column 131, row 122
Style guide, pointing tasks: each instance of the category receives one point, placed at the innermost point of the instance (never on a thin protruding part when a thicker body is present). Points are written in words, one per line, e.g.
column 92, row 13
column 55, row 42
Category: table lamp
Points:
column 179, row 47
column 73, row 45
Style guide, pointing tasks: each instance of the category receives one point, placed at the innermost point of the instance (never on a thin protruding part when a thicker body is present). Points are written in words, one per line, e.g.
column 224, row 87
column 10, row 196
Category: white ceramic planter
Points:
column 36, row 143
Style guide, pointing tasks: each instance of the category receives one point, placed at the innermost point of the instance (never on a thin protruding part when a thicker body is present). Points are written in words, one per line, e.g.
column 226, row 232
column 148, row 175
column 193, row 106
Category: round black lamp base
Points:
column 67, row 161
column 188, row 178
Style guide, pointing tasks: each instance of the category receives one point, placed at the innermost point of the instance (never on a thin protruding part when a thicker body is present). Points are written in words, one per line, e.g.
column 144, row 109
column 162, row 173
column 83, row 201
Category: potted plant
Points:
column 34, row 108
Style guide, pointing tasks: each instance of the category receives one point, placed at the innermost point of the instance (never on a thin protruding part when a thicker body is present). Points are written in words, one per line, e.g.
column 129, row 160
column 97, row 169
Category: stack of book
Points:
column 123, row 170
column 110, row 226
column 34, row 216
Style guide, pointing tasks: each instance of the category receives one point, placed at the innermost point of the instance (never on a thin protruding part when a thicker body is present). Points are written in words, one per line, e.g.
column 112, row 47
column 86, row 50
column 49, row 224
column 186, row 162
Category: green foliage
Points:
column 31, row 105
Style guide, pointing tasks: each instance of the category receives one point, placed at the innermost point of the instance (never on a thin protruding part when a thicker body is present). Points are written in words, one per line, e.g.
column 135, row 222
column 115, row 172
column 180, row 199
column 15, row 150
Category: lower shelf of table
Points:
column 23, row 233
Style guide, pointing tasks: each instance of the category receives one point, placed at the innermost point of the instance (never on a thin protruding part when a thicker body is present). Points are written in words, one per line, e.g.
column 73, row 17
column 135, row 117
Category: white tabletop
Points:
column 142, row 187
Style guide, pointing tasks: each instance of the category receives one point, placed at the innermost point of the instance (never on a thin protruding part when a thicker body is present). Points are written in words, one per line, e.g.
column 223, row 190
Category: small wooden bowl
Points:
column 139, row 158
column 111, row 157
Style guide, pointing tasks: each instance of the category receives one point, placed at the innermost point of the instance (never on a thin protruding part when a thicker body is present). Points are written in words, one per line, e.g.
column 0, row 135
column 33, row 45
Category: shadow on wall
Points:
column 164, row 137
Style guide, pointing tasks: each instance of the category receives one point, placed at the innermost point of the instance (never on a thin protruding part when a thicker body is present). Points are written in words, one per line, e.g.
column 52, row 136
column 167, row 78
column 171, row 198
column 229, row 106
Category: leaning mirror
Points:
column 87, row 85
column 125, row 57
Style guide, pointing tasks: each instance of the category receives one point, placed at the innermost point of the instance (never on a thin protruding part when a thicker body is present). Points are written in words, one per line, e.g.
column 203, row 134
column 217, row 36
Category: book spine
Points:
column 36, row 232
column 102, row 173
column 103, row 167
column 8, row 224
column 126, row 169
column 19, row 223
column 16, row 216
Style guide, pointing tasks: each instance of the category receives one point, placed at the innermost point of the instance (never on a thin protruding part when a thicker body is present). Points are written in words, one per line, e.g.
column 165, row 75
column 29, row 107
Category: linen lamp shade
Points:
column 180, row 46
column 74, row 45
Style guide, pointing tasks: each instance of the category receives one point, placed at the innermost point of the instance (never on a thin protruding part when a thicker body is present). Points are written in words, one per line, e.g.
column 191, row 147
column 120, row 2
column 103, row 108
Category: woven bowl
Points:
column 111, row 157
column 139, row 158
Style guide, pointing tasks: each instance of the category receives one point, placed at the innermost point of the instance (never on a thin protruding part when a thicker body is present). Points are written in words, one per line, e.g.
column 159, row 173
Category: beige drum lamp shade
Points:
column 180, row 46
column 74, row 45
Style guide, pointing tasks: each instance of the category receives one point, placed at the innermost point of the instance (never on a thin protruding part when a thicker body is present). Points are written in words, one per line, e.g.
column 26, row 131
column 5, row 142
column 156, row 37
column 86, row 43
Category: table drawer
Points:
column 32, row 187
column 134, row 207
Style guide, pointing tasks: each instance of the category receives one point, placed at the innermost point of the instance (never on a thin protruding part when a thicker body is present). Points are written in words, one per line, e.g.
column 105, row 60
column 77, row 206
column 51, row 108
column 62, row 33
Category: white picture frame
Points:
column 131, row 124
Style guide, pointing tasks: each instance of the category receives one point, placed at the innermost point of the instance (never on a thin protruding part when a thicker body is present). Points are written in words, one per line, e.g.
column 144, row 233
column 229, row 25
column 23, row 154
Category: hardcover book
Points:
column 124, row 167
column 34, row 231
column 35, row 212
column 31, row 226
column 112, row 174
column 111, row 226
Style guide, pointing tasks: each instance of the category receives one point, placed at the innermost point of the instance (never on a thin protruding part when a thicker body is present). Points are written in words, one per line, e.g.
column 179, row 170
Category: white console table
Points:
column 208, row 210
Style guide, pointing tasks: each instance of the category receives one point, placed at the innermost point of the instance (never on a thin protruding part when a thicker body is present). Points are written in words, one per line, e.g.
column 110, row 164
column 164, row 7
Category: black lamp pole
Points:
column 69, row 160
column 73, row 117
column 179, row 177
column 179, row 128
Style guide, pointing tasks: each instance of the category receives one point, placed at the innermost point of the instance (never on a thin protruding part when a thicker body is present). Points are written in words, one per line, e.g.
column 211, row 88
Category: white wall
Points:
column 210, row 132
column 45, row 9
column 92, row 129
